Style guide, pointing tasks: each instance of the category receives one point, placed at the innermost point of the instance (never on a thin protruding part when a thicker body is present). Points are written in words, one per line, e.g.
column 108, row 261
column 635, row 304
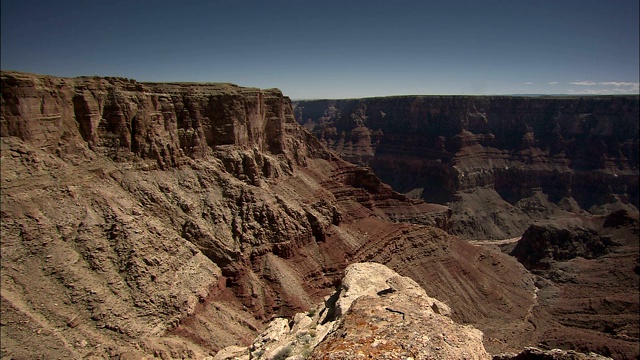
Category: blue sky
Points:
column 335, row 49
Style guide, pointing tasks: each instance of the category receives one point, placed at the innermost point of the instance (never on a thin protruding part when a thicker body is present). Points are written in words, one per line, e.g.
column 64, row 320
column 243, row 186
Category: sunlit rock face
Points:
column 138, row 217
column 172, row 220
column 498, row 162
column 376, row 313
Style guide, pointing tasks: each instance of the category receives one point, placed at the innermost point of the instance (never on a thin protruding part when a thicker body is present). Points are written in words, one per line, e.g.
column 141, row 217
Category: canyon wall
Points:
column 175, row 219
column 172, row 220
column 499, row 162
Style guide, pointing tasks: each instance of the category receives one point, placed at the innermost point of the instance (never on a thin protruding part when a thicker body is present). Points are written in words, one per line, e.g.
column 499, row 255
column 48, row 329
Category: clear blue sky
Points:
column 335, row 49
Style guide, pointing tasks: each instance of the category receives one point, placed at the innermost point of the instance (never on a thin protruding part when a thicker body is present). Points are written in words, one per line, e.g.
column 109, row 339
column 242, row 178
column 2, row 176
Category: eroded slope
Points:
column 175, row 219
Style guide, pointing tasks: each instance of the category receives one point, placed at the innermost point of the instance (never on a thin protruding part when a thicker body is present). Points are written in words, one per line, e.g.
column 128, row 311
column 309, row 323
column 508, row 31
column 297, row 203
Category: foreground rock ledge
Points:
column 375, row 314
column 378, row 314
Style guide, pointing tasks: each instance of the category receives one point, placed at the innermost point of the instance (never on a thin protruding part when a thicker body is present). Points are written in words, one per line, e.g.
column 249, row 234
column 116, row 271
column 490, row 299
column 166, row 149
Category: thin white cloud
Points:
column 620, row 87
column 625, row 90
column 583, row 83
column 552, row 83
column 589, row 92
column 602, row 91
column 528, row 83
column 623, row 87
column 620, row 83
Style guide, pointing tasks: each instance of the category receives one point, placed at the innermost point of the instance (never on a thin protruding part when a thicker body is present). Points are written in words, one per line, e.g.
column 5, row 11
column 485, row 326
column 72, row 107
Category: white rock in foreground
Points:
column 377, row 313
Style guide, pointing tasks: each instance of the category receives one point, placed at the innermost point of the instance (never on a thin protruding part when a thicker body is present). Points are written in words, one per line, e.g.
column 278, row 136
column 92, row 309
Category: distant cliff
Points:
column 499, row 162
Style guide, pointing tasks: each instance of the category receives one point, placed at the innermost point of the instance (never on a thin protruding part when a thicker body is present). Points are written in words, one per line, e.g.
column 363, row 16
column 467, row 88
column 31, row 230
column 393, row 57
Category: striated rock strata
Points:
column 498, row 162
column 172, row 220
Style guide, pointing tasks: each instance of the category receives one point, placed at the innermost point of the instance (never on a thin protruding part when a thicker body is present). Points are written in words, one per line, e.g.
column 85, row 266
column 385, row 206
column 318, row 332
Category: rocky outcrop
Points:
column 559, row 240
column 501, row 162
column 586, row 279
column 376, row 313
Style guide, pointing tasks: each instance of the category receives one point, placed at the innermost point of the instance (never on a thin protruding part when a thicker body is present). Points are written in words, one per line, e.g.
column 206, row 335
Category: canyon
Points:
column 173, row 220
column 499, row 162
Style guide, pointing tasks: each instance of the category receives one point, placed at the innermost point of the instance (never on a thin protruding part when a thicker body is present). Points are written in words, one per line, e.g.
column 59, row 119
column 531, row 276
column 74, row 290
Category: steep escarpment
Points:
column 160, row 123
column 175, row 219
column 498, row 162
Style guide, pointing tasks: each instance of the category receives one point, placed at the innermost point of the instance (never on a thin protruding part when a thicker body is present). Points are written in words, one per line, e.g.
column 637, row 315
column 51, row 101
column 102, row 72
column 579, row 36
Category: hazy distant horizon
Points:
column 335, row 49
column 470, row 95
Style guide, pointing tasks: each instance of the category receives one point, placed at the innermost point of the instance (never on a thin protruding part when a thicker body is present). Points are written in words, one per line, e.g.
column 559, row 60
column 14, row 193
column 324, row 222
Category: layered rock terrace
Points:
column 499, row 162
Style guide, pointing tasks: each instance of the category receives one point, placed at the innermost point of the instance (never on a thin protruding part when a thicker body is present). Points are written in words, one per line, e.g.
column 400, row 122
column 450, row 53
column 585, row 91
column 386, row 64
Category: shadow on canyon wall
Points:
column 499, row 162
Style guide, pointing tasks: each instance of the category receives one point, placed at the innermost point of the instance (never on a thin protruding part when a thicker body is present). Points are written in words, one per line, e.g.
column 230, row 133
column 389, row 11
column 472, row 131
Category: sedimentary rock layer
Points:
column 172, row 220
column 175, row 219
column 500, row 162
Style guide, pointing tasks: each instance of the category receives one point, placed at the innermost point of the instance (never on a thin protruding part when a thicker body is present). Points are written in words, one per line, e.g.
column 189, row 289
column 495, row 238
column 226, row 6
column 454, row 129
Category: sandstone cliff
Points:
column 174, row 219
column 499, row 162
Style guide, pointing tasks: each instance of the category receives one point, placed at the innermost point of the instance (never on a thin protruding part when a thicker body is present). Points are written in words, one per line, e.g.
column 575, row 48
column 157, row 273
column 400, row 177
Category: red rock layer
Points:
column 175, row 219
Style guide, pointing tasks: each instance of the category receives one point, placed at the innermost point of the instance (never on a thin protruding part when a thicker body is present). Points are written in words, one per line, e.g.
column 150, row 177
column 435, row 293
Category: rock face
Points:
column 373, row 279
column 378, row 314
column 126, row 120
column 559, row 240
column 175, row 219
column 499, row 163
